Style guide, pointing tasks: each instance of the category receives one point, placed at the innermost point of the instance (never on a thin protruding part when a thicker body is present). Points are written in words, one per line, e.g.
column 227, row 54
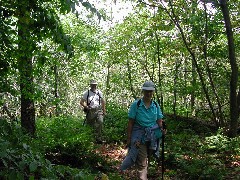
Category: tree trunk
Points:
column 234, row 74
column 219, row 113
column 177, row 65
column 129, row 73
column 194, row 82
column 56, row 94
column 160, row 94
column 25, row 48
column 108, row 82
column 175, row 19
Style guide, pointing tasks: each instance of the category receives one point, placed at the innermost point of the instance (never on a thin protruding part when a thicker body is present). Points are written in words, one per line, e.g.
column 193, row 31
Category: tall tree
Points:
column 234, row 106
column 36, row 21
column 26, row 48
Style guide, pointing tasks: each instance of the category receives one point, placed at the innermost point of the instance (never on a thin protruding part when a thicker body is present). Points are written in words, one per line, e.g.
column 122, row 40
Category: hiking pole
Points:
column 163, row 137
column 162, row 155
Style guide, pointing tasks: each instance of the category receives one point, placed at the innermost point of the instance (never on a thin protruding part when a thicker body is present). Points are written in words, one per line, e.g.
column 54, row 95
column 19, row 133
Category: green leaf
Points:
column 33, row 166
column 31, row 178
column 25, row 146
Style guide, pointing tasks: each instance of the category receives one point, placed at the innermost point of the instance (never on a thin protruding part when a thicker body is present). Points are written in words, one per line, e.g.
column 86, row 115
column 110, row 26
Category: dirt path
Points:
column 116, row 153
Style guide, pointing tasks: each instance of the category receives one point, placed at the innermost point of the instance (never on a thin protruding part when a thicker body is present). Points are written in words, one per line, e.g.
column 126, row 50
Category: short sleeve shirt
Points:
column 145, row 117
column 94, row 98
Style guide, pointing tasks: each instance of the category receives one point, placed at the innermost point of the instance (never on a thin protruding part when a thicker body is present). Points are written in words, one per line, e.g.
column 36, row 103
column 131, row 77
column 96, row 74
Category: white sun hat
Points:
column 93, row 81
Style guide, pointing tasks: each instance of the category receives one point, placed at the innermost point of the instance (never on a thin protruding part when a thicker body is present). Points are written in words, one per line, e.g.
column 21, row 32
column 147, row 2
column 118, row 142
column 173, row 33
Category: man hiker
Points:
column 94, row 106
column 144, row 132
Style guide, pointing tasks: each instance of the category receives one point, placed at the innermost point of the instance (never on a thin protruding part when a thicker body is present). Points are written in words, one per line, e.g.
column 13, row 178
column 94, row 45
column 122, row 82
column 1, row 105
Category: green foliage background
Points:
column 64, row 48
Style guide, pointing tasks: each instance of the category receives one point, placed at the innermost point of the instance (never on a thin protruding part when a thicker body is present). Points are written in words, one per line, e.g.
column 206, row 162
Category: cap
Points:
column 93, row 81
column 149, row 86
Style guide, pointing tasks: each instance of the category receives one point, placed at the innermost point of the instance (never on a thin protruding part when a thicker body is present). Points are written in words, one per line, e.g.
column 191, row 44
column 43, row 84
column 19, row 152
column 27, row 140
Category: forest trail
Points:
column 116, row 153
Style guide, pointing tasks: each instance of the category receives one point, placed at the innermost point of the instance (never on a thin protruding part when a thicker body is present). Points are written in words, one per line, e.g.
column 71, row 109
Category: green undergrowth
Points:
column 115, row 124
column 24, row 157
column 68, row 142
column 190, row 155
column 63, row 148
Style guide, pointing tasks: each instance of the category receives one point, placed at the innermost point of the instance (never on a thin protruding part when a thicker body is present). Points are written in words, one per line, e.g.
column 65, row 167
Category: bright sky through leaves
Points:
column 115, row 11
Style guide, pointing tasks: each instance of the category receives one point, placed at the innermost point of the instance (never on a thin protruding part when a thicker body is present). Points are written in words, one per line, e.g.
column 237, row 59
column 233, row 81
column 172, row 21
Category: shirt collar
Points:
column 142, row 103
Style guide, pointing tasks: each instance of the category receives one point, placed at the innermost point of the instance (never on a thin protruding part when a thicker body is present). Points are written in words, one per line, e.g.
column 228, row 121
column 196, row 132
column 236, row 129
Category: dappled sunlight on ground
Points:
column 116, row 152
column 112, row 151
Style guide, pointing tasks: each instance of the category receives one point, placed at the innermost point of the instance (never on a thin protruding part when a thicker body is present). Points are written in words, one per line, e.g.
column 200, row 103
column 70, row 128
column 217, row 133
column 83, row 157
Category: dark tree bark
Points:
column 25, row 47
column 160, row 94
column 56, row 94
column 234, row 74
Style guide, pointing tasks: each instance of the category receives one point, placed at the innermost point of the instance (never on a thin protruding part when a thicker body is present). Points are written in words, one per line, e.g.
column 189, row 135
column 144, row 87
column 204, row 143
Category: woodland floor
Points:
column 113, row 155
column 113, row 152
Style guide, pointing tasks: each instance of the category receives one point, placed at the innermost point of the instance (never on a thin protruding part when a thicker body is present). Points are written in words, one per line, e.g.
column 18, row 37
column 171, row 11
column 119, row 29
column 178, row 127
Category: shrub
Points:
column 20, row 157
column 115, row 123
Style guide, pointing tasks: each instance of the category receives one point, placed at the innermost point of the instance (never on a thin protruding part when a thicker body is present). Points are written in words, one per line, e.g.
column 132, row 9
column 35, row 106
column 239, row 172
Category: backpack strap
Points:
column 155, row 103
column 87, row 98
column 99, row 97
column 91, row 100
column 139, row 101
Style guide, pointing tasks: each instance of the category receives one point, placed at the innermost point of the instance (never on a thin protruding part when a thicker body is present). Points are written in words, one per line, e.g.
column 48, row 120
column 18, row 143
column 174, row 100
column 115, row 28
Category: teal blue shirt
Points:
column 145, row 117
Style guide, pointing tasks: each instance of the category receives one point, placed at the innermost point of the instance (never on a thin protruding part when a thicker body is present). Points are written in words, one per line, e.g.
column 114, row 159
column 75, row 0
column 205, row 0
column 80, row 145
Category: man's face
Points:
column 93, row 87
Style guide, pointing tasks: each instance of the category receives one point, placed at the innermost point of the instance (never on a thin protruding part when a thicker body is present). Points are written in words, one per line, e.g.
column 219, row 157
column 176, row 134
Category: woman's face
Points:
column 148, row 94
